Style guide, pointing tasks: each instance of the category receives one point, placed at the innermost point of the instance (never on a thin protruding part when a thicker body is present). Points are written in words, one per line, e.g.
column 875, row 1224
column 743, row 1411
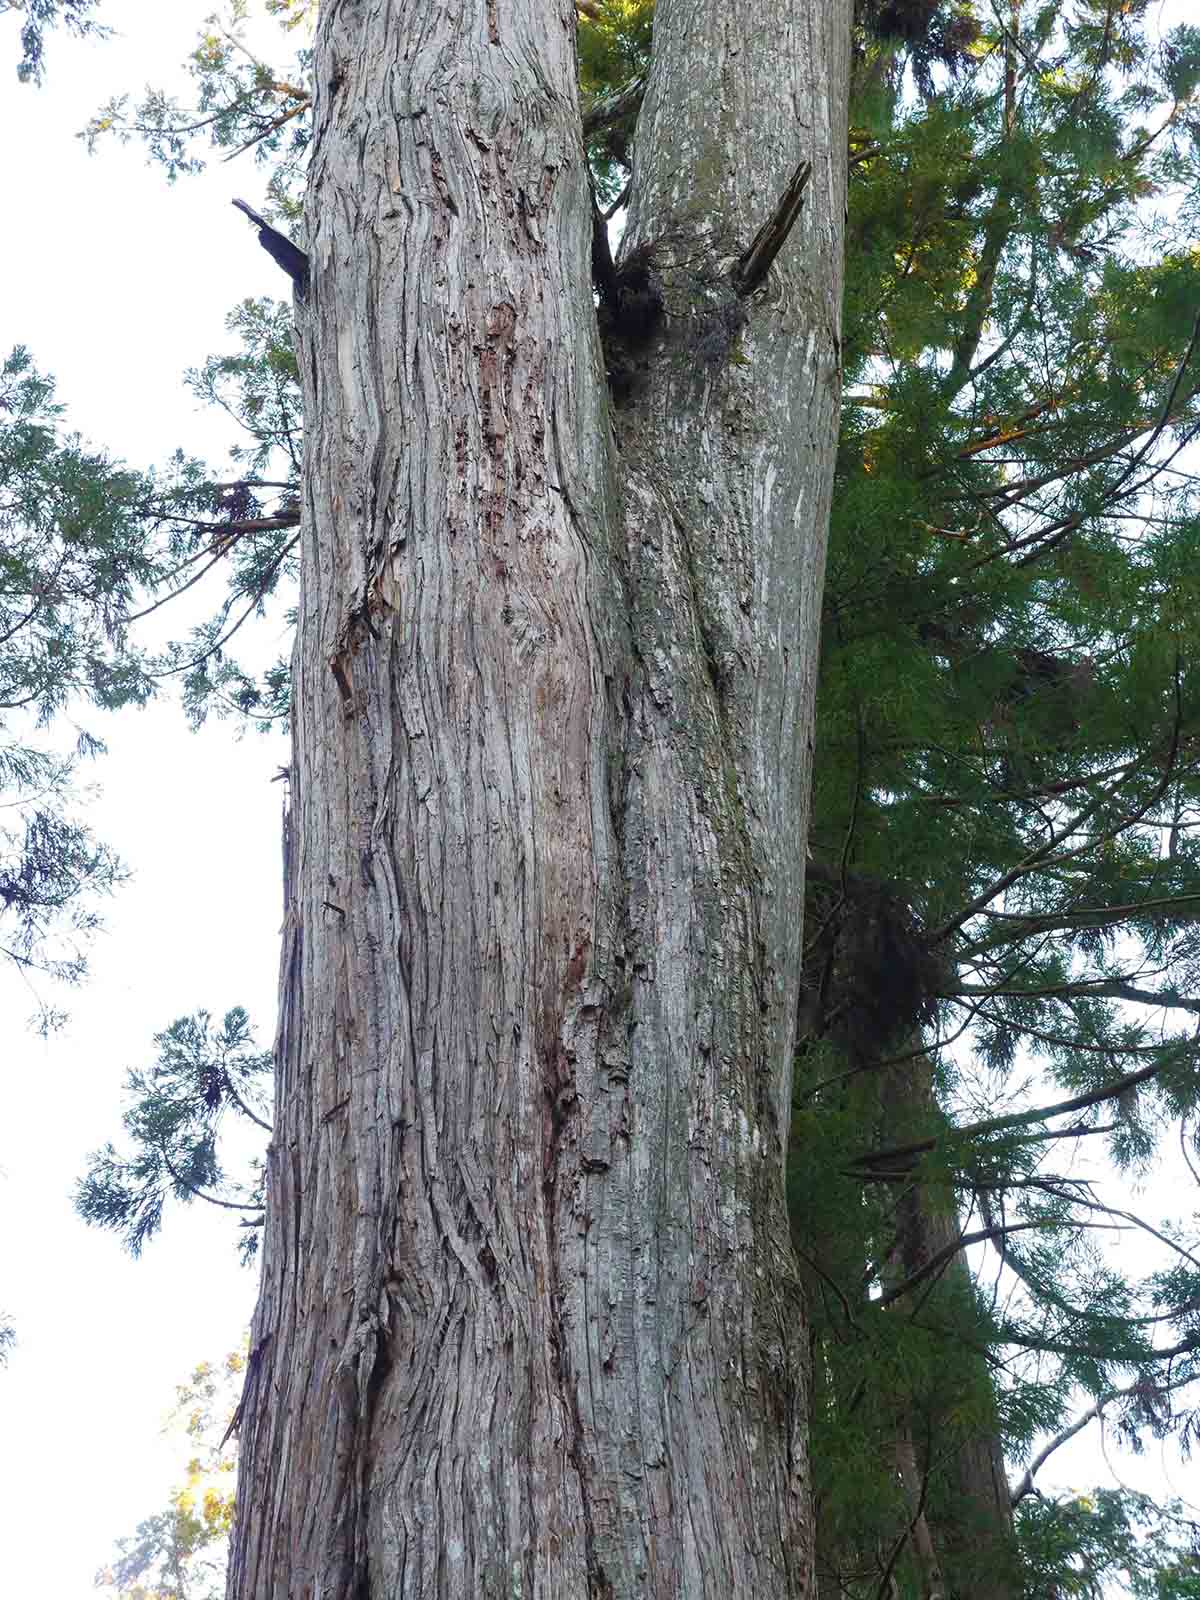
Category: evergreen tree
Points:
column 87, row 549
column 735, row 676
column 174, row 1120
column 1004, row 794
column 1005, row 789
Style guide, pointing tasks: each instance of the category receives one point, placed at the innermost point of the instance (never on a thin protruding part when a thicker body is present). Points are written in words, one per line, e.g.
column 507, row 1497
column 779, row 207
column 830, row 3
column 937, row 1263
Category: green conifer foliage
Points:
column 173, row 1122
column 1007, row 777
column 72, row 552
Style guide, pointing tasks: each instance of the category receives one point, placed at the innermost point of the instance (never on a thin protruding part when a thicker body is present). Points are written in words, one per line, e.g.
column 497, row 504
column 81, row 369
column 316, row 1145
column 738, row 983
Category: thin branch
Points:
column 272, row 127
column 1187, row 1160
column 1165, row 413
column 1041, row 856
column 202, row 1194
column 918, row 1514
column 1025, row 1485
column 183, row 587
column 288, row 89
column 1063, row 1042
column 1138, row 1222
column 1014, row 1120
column 942, row 1258
column 256, row 600
column 1096, row 988
column 829, row 1282
column 267, row 1127
column 1023, row 926
column 857, row 157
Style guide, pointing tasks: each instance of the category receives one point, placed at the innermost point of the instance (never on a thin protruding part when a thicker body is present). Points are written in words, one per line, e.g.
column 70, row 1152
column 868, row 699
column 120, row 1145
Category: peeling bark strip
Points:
column 529, row 1321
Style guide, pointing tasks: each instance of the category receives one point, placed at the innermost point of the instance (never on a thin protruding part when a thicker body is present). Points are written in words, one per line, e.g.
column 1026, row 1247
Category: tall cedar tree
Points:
column 970, row 733
column 1006, row 804
column 527, row 1287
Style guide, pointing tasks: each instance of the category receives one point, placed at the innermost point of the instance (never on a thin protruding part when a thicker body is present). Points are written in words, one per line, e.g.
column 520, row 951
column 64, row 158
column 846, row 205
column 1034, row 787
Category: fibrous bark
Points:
column 529, row 1323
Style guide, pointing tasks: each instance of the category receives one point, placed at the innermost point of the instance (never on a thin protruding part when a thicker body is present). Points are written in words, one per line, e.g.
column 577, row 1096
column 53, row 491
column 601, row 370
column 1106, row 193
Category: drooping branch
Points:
column 246, row 1111
column 941, row 1259
column 1141, row 1389
column 1014, row 1120
column 1025, row 1486
column 205, row 1194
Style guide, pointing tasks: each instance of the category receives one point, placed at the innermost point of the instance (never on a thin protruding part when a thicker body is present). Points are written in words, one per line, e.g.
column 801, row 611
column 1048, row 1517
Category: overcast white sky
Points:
column 117, row 282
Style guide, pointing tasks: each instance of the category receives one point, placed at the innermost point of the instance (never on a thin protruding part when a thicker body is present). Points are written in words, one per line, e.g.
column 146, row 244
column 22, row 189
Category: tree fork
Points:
column 535, row 1327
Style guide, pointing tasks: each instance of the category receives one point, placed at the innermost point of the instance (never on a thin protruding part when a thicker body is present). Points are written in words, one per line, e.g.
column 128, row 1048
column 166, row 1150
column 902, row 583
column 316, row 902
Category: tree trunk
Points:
column 969, row 1516
column 529, row 1323
column 906, row 1397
